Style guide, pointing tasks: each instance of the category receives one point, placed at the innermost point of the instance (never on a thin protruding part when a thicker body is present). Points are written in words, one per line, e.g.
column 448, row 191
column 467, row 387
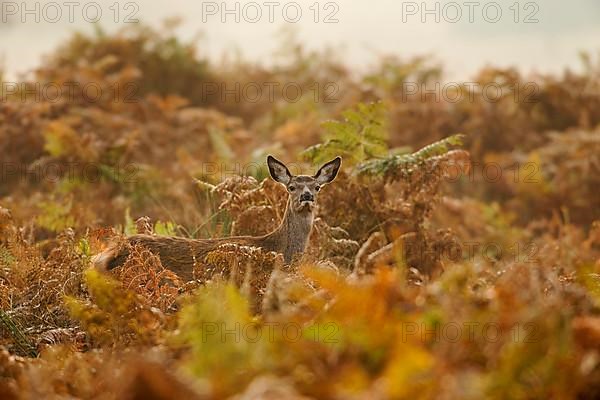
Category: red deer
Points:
column 290, row 238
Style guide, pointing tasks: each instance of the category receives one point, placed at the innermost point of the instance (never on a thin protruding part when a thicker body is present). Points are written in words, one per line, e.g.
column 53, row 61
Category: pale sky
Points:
column 540, row 36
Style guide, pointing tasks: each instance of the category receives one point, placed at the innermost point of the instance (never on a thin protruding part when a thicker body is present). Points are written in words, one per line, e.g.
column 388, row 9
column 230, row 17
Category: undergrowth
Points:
column 423, row 277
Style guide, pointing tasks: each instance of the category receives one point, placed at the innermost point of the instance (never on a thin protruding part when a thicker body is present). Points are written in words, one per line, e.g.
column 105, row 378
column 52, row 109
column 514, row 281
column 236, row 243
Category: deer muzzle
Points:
column 306, row 196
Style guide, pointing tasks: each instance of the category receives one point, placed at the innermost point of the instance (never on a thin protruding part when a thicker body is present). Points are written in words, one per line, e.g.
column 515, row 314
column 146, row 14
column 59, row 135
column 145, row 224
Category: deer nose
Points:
column 307, row 196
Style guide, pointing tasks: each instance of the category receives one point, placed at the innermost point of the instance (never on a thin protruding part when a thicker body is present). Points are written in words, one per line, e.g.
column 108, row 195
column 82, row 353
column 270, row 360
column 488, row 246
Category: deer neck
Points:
column 291, row 237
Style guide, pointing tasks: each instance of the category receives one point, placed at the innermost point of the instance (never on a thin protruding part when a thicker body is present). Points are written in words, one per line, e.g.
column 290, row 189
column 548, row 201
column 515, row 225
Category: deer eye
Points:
column 292, row 188
column 317, row 188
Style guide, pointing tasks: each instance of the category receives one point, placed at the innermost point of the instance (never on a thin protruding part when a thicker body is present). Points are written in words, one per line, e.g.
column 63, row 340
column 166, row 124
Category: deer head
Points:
column 303, row 189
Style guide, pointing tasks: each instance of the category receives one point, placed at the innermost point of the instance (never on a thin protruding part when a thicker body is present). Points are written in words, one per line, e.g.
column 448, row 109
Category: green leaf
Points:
column 56, row 215
column 219, row 144
column 361, row 135
column 130, row 228
column 407, row 162
column 165, row 228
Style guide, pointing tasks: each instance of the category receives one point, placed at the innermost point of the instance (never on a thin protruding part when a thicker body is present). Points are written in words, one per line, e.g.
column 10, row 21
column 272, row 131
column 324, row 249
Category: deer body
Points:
column 290, row 238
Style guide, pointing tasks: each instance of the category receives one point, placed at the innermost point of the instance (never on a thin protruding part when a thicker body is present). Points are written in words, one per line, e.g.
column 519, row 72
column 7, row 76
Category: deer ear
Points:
column 328, row 172
column 278, row 170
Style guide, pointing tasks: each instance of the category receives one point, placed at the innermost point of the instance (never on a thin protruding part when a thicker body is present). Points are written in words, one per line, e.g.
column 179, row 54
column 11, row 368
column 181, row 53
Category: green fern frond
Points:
column 130, row 227
column 22, row 343
column 393, row 163
column 6, row 257
column 361, row 135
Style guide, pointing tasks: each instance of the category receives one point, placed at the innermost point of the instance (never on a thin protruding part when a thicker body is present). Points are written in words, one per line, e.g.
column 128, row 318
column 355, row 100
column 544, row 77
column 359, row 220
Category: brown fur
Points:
column 291, row 237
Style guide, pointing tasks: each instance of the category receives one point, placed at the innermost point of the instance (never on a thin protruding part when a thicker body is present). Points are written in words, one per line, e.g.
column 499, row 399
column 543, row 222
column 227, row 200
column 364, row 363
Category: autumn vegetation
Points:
column 456, row 256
